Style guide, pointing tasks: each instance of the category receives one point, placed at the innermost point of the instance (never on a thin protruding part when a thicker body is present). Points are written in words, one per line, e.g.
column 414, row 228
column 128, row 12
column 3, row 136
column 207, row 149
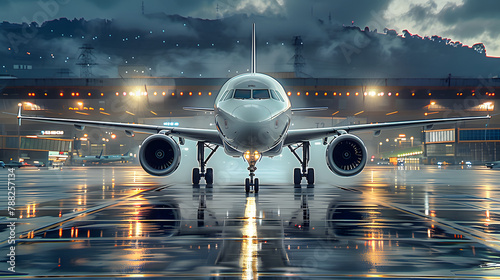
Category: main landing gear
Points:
column 299, row 173
column 252, row 182
column 208, row 174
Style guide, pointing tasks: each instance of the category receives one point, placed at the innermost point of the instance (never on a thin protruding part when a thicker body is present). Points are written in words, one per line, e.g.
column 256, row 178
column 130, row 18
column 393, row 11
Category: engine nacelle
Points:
column 346, row 155
column 159, row 155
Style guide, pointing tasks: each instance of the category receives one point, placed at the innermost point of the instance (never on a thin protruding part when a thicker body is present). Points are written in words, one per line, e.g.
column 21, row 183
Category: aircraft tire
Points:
column 256, row 185
column 297, row 176
column 209, row 176
column 310, row 176
column 196, row 176
column 247, row 185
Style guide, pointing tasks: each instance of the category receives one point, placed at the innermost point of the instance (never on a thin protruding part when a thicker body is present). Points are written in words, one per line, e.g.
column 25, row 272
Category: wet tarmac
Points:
column 388, row 222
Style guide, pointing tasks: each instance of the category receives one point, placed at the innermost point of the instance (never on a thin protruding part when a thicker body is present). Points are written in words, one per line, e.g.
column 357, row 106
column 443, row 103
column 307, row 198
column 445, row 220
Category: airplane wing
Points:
column 299, row 135
column 309, row 109
column 198, row 109
column 207, row 135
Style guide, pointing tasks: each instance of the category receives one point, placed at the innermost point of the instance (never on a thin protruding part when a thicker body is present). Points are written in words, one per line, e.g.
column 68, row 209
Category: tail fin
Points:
column 254, row 58
column 20, row 105
column 100, row 155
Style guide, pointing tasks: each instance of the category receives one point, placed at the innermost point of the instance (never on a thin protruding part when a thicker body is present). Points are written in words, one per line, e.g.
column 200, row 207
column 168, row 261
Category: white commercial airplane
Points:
column 252, row 116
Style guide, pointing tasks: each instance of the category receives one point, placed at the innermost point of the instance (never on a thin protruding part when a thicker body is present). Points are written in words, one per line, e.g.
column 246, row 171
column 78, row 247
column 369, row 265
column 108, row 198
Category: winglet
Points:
column 20, row 107
column 254, row 60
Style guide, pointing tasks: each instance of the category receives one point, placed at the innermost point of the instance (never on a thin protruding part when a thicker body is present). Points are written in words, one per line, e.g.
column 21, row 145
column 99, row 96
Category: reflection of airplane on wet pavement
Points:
column 253, row 117
column 100, row 159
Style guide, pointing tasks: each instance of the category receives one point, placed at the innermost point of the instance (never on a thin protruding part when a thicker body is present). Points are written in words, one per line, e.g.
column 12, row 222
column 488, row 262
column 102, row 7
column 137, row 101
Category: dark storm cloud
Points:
column 421, row 12
column 472, row 18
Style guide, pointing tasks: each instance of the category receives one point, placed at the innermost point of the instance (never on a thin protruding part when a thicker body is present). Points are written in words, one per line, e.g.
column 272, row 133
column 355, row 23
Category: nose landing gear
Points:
column 252, row 182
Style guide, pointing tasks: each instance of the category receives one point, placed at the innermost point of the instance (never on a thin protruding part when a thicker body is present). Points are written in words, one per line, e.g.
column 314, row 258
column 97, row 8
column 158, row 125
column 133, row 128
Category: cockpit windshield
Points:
column 260, row 94
column 242, row 94
column 249, row 94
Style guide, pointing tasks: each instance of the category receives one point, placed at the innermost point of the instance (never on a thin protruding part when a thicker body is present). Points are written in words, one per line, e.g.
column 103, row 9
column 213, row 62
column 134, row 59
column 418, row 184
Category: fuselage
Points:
column 252, row 114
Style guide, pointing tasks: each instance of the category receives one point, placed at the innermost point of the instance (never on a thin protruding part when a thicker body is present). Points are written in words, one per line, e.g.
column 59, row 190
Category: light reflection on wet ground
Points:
column 390, row 222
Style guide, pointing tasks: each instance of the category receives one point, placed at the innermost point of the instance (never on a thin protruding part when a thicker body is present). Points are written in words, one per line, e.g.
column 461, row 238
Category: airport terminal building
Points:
column 160, row 100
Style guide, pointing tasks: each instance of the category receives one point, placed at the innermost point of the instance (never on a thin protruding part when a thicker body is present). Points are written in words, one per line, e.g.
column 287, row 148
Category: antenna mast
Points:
column 86, row 60
column 299, row 62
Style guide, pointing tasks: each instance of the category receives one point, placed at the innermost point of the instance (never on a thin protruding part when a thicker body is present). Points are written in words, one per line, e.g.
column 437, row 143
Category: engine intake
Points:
column 159, row 155
column 346, row 155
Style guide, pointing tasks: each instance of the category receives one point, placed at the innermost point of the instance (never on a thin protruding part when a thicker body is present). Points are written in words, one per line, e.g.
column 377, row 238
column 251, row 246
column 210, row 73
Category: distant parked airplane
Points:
column 494, row 164
column 128, row 156
column 12, row 164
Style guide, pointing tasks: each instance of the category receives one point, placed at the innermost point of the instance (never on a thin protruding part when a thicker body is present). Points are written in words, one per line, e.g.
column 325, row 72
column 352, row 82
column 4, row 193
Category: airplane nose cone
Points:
column 252, row 113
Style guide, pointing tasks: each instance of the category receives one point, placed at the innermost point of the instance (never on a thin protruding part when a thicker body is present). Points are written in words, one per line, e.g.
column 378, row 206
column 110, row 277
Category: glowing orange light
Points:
column 335, row 93
column 199, row 93
column 289, row 93
column 102, row 94
column 190, row 93
column 117, row 93
column 77, row 94
column 61, row 94
column 348, row 94
column 182, row 93
column 357, row 93
column 326, row 94
column 210, row 93
column 298, row 93
column 90, row 94
column 316, row 94
column 72, row 94
column 113, row 136
column 397, row 93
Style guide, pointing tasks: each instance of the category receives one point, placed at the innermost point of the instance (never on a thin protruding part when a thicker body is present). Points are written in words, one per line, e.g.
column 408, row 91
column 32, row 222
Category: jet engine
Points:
column 159, row 155
column 346, row 155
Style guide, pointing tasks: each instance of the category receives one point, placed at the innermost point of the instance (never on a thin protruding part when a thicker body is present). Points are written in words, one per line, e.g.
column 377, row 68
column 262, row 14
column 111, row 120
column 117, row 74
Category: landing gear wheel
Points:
column 256, row 185
column 209, row 176
column 310, row 176
column 297, row 176
column 196, row 176
column 247, row 185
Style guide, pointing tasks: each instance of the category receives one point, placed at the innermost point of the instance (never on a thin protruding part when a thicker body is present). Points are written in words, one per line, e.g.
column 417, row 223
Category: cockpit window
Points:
column 260, row 94
column 227, row 95
column 276, row 95
column 242, row 94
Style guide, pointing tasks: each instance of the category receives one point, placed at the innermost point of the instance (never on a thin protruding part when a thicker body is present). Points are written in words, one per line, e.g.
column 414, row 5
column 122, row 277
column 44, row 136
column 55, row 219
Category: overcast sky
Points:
column 468, row 21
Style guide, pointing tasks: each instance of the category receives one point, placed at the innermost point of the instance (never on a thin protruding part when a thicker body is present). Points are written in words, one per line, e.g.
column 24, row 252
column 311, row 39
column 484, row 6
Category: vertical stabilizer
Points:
column 254, row 58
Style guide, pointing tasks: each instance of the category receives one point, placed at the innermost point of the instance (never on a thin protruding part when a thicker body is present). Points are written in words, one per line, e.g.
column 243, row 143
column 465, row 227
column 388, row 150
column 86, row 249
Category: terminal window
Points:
column 480, row 135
